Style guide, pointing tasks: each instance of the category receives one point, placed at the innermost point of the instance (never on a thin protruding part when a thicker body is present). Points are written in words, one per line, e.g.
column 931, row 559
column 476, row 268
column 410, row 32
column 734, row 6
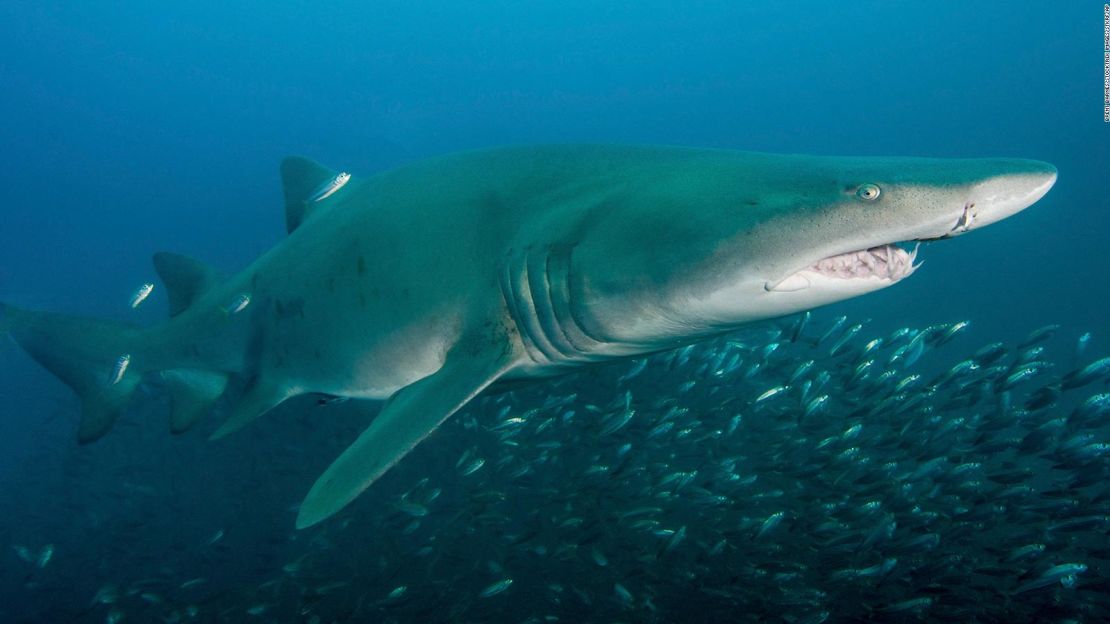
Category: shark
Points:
column 427, row 285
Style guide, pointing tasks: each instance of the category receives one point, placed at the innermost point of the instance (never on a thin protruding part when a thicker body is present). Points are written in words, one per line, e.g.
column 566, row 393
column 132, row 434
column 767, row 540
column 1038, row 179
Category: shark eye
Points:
column 868, row 192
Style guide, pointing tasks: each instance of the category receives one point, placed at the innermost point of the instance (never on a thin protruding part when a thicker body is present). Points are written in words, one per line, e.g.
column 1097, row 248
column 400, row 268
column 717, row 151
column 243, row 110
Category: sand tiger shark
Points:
column 428, row 284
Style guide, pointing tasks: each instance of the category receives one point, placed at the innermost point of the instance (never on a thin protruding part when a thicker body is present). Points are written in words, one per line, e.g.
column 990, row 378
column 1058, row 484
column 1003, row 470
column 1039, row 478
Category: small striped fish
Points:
column 120, row 368
column 141, row 294
column 331, row 186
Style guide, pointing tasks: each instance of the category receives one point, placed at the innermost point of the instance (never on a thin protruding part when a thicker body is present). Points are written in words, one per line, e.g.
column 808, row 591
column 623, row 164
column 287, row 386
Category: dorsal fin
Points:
column 306, row 183
column 186, row 279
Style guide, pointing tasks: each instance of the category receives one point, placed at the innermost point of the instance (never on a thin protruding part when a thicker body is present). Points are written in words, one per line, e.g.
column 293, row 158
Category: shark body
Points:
column 426, row 285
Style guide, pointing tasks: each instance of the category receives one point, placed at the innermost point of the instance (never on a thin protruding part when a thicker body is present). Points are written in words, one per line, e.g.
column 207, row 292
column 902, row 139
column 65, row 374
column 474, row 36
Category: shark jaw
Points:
column 877, row 267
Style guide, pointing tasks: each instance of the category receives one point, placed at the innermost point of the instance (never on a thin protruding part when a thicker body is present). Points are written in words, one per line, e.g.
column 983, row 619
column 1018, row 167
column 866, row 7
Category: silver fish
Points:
column 496, row 588
column 815, row 405
column 141, row 294
column 615, row 423
column 119, row 369
column 770, row 393
column 1039, row 335
column 1081, row 345
column 769, row 524
column 44, row 555
column 238, row 304
column 328, row 188
column 637, row 368
column 952, row 331
column 397, row 592
column 623, row 595
column 473, row 467
column 1087, row 374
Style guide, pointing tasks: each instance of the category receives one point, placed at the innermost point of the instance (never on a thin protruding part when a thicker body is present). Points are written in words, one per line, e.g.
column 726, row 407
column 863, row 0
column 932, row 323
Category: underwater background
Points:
column 662, row 492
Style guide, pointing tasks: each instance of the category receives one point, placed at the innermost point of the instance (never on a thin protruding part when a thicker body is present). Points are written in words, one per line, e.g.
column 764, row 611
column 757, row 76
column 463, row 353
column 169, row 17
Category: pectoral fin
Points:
column 409, row 416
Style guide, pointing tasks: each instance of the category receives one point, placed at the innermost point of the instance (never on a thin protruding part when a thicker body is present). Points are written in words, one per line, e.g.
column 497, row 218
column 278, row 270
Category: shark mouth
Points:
column 886, row 263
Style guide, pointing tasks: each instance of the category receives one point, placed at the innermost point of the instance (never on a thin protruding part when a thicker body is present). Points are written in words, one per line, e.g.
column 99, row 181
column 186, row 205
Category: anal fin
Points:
column 409, row 416
column 194, row 393
column 260, row 396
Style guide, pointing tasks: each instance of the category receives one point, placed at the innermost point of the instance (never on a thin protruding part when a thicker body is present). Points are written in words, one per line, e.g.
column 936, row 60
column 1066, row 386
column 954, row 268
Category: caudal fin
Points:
column 87, row 355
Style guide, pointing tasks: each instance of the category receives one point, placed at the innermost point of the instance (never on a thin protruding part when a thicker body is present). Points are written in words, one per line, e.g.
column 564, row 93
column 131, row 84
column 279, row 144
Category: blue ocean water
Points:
column 131, row 128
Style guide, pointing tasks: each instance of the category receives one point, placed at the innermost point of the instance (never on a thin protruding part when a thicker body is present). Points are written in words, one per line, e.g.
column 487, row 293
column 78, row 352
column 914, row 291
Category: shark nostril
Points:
column 963, row 224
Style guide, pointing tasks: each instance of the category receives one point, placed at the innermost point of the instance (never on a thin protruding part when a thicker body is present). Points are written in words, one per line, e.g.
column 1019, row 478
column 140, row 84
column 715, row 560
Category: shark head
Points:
column 724, row 239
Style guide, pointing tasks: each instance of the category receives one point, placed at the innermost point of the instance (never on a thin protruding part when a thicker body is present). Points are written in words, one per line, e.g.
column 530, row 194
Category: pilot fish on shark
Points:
column 427, row 285
column 329, row 187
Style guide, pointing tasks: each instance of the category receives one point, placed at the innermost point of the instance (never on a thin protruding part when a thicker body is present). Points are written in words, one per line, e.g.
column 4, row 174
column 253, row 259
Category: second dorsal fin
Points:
column 186, row 279
column 306, row 183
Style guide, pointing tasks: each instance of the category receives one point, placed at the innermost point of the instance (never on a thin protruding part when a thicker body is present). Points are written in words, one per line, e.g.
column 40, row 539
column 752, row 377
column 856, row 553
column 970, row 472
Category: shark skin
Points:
column 425, row 285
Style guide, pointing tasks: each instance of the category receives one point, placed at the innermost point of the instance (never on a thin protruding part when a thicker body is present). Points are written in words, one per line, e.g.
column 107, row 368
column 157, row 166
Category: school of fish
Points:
column 805, row 471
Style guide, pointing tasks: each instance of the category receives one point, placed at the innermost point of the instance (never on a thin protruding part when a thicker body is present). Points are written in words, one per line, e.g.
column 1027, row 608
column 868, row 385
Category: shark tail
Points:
column 91, row 356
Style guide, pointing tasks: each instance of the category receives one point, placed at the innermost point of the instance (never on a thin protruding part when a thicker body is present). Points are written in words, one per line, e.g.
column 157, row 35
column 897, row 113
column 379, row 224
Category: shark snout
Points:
column 1004, row 195
column 864, row 260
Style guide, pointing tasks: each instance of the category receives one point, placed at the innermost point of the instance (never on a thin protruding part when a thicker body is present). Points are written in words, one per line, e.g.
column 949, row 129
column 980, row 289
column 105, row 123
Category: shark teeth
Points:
column 885, row 262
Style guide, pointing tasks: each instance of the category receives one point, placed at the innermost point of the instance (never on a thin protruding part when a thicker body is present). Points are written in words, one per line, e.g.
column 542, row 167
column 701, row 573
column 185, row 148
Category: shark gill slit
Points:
column 518, row 298
column 539, row 285
column 508, row 294
column 558, row 279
